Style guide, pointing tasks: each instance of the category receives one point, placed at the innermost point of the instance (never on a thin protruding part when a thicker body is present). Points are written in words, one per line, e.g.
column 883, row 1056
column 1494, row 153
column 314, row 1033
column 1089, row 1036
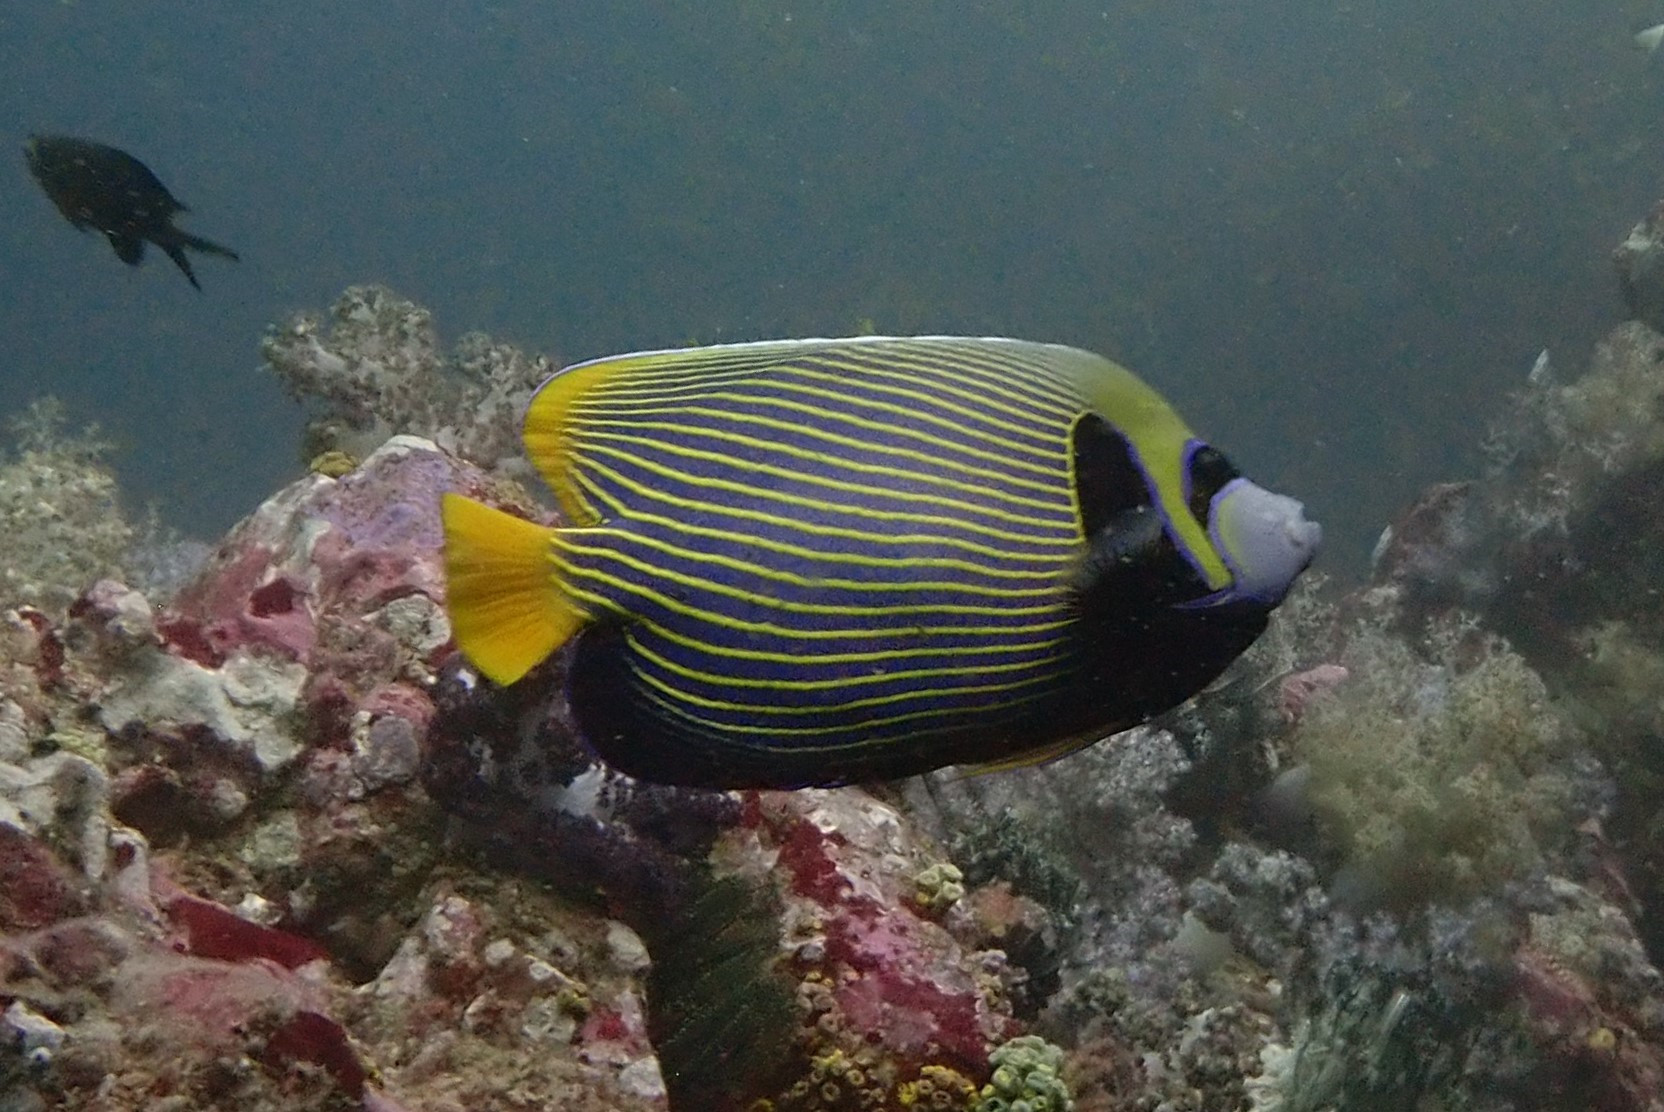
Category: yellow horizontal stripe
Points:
column 772, row 710
column 994, row 405
column 600, row 601
column 854, row 392
column 621, row 512
column 1070, row 543
column 567, row 544
column 722, row 733
column 1000, row 370
column 1051, row 486
column 835, row 682
column 1051, row 472
column 882, row 540
column 764, row 571
column 1059, row 505
column 617, row 590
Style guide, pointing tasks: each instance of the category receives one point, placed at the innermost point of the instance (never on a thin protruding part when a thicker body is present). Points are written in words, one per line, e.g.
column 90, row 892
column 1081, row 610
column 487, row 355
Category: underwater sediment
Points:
column 263, row 842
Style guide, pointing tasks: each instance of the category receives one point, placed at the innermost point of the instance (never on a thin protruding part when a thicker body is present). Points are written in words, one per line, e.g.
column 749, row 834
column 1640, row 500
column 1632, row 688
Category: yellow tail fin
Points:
column 507, row 609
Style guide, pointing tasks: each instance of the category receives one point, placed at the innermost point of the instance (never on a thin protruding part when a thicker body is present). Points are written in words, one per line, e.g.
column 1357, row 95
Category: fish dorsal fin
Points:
column 548, row 427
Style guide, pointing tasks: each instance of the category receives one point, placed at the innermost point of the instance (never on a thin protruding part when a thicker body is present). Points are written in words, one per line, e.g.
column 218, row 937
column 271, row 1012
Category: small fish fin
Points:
column 177, row 254
column 1029, row 758
column 1650, row 38
column 1122, row 570
column 547, row 434
column 206, row 246
column 507, row 609
column 129, row 249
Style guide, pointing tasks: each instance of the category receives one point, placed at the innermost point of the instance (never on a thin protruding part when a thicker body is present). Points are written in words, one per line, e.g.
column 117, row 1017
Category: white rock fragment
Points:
column 629, row 952
column 416, row 621
column 547, row 1020
column 643, row 1079
column 257, row 909
column 14, row 733
column 38, row 1037
column 249, row 702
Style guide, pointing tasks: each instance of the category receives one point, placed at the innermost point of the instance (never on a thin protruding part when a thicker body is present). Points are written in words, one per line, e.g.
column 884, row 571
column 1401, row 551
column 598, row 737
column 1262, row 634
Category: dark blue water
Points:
column 1335, row 234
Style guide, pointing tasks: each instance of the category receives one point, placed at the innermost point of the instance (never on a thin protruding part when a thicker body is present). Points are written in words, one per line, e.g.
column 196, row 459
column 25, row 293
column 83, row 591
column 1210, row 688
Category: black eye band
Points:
column 1108, row 478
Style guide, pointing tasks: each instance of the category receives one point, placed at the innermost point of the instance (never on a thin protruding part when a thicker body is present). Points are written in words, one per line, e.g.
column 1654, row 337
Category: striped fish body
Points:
column 814, row 562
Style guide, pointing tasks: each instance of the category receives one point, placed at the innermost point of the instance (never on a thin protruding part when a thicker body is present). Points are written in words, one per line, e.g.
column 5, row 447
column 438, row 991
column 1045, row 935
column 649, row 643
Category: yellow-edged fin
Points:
column 507, row 609
column 547, row 430
column 1029, row 758
column 548, row 441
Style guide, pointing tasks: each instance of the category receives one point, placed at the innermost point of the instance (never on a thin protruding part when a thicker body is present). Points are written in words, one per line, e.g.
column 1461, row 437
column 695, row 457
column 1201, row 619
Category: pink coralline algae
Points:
column 881, row 981
column 255, row 783
column 1296, row 690
column 221, row 880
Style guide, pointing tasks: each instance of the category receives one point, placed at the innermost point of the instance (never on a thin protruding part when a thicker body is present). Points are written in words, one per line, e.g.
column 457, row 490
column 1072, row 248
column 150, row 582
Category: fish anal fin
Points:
column 129, row 249
column 508, row 612
column 1044, row 754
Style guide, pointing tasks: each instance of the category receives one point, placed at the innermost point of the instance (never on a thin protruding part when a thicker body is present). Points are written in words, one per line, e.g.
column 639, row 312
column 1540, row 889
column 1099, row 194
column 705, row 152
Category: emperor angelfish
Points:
column 816, row 562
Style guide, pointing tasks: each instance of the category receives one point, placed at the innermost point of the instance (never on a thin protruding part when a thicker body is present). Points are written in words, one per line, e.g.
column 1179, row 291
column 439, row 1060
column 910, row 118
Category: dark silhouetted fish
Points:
column 115, row 194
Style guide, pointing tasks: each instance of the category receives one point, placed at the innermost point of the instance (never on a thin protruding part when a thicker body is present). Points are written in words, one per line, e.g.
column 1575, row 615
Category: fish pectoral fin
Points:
column 508, row 612
column 129, row 249
column 1120, row 558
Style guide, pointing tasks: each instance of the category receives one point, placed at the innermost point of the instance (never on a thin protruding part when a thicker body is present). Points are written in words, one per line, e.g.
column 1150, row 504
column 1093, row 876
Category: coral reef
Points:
column 1026, row 1078
column 375, row 368
column 1439, row 774
column 59, row 511
column 266, row 841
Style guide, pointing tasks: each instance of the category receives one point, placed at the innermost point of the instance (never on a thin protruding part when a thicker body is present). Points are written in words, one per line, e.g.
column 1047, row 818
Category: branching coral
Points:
column 59, row 512
column 1441, row 775
column 375, row 368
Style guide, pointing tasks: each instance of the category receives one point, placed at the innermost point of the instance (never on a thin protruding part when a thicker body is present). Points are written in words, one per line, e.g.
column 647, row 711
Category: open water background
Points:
column 1335, row 234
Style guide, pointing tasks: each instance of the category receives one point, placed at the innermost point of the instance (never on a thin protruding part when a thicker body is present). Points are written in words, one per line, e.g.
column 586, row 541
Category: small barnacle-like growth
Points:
column 1026, row 1078
column 937, row 1087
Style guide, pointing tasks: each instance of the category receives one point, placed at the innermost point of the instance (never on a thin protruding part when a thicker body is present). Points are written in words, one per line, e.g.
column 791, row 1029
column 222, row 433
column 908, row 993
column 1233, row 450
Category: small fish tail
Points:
column 206, row 246
column 508, row 612
column 177, row 254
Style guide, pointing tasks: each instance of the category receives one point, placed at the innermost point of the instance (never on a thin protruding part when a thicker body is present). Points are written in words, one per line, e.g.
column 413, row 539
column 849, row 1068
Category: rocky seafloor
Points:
column 265, row 844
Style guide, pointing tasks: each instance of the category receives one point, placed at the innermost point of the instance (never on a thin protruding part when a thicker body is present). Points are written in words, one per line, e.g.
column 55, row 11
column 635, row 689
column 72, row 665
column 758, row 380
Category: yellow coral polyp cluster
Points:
column 937, row 1087
column 939, row 887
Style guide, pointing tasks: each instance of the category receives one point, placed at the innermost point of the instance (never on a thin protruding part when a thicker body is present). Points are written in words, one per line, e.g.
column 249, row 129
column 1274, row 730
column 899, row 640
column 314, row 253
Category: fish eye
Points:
column 1206, row 474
